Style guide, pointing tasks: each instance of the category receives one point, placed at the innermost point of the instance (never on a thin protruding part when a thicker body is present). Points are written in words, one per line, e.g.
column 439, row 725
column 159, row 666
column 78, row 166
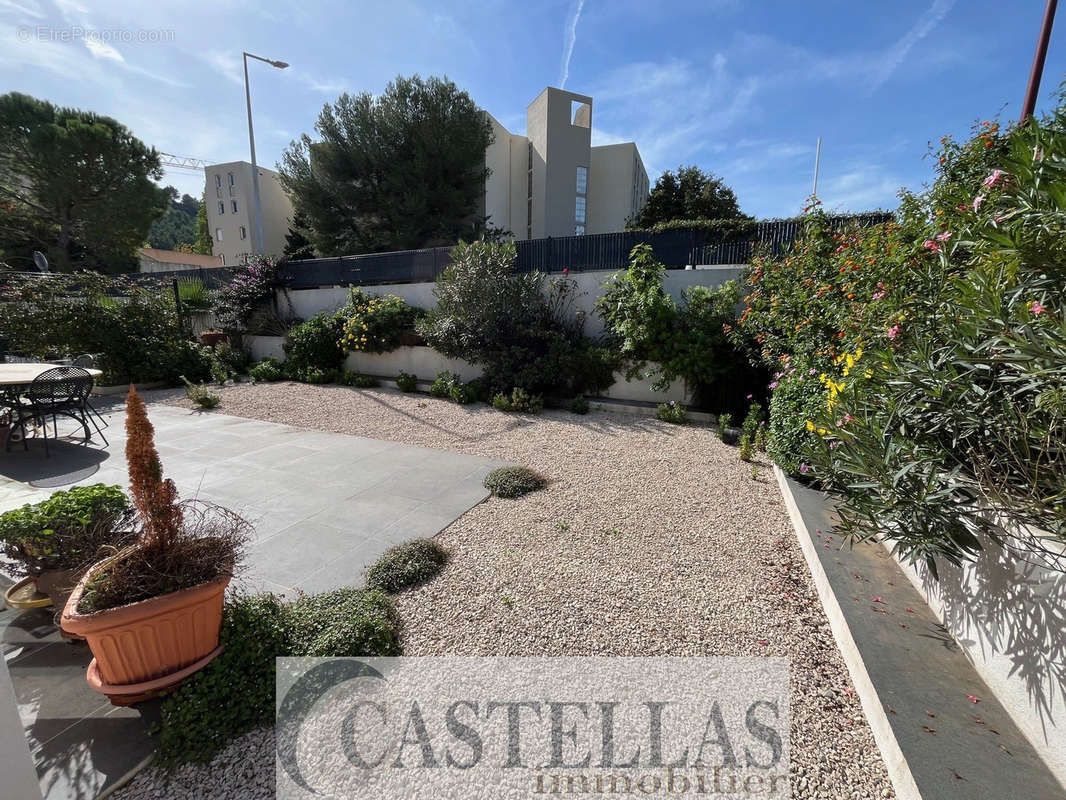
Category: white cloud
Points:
column 103, row 50
column 569, row 39
column 891, row 59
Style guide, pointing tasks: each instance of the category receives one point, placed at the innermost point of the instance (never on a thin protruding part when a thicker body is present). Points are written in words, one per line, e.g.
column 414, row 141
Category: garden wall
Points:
column 1010, row 618
column 308, row 302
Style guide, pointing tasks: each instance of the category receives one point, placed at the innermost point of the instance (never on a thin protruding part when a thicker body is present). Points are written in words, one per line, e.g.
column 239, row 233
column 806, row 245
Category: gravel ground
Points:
column 651, row 539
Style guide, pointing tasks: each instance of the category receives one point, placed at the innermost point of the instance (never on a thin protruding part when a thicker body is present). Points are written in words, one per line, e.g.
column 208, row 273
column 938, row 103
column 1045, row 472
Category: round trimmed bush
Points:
column 511, row 482
column 406, row 382
column 344, row 622
column 406, row 565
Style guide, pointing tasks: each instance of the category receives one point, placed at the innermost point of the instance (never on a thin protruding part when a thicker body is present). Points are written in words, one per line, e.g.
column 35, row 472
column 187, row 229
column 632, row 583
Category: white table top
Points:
column 16, row 374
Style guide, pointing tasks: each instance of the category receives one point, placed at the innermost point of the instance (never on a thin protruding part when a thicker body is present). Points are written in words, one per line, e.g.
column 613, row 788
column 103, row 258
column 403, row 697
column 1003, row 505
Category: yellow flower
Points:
column 810, row 426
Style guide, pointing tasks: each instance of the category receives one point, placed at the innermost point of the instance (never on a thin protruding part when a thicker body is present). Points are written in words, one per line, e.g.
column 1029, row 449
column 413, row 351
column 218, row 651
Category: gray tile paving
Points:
column 324, row 506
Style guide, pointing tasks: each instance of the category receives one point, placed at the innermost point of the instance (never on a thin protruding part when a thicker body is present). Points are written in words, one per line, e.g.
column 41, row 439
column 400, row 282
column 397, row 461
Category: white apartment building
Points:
column 552, row 181
column 230, row 213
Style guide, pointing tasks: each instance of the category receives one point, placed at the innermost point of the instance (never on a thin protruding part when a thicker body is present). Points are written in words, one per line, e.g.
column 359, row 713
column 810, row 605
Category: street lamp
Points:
column 257, row 229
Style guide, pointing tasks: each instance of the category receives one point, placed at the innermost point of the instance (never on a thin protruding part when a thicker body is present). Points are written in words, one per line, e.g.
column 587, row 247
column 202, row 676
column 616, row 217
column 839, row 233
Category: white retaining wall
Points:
column 308, row 302
column 1010, row 618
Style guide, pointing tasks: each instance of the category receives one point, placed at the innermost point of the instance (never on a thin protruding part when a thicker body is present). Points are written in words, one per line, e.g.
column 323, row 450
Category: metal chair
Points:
column 61, row 391
column 85, row 360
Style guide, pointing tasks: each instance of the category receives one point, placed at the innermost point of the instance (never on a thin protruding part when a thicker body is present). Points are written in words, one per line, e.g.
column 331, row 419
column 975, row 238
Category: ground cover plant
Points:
column 512, row 482
column 406, row 565
column 671, row 412
column 235, row 692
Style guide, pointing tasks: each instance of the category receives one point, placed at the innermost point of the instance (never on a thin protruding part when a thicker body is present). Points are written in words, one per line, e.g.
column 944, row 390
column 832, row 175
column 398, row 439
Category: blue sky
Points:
column 742, row 88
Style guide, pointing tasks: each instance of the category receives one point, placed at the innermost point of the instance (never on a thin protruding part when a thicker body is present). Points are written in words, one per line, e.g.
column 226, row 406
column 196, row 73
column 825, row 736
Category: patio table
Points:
column 13, row 377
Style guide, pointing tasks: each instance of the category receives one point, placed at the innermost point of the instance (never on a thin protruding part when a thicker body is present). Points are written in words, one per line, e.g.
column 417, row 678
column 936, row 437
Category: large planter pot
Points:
column 146, row 647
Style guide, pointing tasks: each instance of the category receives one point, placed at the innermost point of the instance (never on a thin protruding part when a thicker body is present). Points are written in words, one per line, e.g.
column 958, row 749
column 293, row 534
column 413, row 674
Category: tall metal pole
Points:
column 1033, row 88
column 257, row 208
column 817, row 161
column 257, row 226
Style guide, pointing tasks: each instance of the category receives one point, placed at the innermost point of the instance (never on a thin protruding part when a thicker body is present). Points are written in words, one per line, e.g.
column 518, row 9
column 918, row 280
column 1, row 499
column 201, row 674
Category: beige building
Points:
column 552, row 181
column 151, row 259
column 230, row 214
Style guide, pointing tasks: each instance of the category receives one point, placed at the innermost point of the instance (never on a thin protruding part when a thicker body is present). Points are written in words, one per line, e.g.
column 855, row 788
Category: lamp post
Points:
column 257, row 228
column 1038, row 61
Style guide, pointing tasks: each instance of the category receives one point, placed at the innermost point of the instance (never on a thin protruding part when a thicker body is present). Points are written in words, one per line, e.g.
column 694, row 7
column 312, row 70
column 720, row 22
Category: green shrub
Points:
column 579, row 405
column 358, row 380
column 235, row 692
column 200, row 394
column 406, row 565
column 752, row 421
column 67, row 530
column 520, row 327
column 725, row 423
column 312, row 345
column 344, row 622
column 672, row 412
column 194, row 295
column 319, row 376
column 442, row 385
column 745, row 448
column 799, row 396
column 229, row 360
column 266, row 371
column 760, row 438
column 375, row 324
column 248, row 293
column 512, row 482
column 463, row 393
column 406, row 382
column 519, row 400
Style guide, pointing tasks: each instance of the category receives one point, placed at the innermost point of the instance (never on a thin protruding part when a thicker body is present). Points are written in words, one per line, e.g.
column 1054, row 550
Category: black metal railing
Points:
column 676, row 249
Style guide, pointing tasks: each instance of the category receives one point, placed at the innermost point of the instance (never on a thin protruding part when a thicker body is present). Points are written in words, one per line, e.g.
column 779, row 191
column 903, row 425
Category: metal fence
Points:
column 602, row 251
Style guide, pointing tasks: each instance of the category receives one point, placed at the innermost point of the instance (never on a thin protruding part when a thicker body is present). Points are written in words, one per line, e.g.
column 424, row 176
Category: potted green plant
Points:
column 151, row 613
column 58, row 539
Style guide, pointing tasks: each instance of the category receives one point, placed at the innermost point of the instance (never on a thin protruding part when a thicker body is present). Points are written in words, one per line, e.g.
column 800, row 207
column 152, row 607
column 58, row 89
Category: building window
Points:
column 244, row 232
column 234, row 206
column 582, row 180
column 579, row 210
column 231, row 179
column 218, row 191
column 221, row 207
column 218, row 180
column 579, row 230
column 218, row 234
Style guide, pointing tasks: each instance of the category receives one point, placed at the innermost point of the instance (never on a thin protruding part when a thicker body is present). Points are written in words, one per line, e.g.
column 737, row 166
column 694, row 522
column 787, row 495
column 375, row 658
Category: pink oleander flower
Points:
column 931, row 246
column 977, row 202
column 877, row 296
column 812, row 371
column 962, row 207
column 840, row 423
column 943, row 237
column 805, row 468
column 849, row 418
column 894, row 331
column 1037, row 307
column 566, row 270
column 1038, row 154
column 773, row 385
column 997, row 177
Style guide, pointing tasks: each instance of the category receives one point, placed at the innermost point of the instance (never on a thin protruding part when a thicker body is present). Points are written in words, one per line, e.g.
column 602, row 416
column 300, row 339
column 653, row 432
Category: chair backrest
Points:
column 60, row 386
column 84, row 360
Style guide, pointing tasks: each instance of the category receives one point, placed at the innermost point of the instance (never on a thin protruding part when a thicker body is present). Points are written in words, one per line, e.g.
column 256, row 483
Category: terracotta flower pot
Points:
column 144, row 647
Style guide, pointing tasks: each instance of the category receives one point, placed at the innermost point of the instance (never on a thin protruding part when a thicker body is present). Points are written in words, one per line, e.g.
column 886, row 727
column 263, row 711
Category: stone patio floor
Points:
column 323, row 507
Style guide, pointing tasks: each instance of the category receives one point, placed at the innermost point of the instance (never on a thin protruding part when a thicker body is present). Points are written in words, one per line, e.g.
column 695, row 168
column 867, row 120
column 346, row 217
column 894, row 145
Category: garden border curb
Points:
column 899, row 771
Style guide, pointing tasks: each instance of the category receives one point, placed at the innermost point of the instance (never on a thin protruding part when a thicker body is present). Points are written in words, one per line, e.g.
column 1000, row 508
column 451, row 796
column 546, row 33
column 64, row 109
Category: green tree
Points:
column 401, row 170
column 177, row 226
column 688, row 194
column 297, row 245
column 203, row 233
column 83, row 180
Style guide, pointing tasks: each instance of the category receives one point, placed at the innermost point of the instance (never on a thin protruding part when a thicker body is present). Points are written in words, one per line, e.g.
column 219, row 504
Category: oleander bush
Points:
column 512, row 482
column 922, row 363
column 373, row 324
column 521, row 328
column 406, row 565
